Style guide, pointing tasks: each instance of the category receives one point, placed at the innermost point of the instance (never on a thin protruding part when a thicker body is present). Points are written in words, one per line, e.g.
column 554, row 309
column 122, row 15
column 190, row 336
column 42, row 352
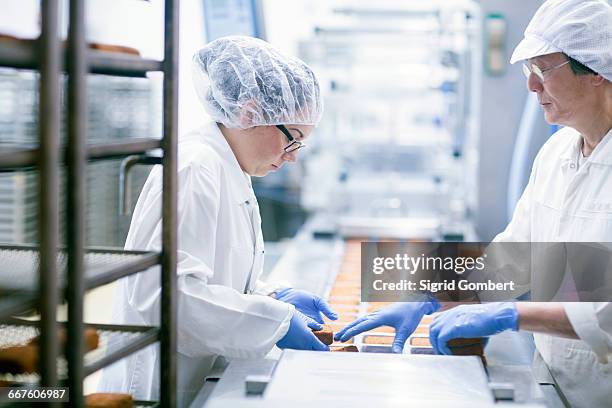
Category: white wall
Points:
column 502, row 102
column 191, row 38
column 289, row 21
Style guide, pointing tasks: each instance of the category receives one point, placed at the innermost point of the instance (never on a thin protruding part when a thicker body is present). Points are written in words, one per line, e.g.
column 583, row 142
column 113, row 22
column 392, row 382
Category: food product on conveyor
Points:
column 325, row 335
column 388, row 340
column 464, row 342
column 345, row 308
column 426, row 320
column 468, row 347
column 346, row 300
column 420, row 342
column 345, row 291
column 108, row 400
column 19, row 359
column 374, row 306
column 351, row 348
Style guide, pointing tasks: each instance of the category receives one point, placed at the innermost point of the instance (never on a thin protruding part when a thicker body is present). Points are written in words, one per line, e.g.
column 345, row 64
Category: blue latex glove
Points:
column 300, row 336
column 405, row 317
column 307, row 303
column 467, row 321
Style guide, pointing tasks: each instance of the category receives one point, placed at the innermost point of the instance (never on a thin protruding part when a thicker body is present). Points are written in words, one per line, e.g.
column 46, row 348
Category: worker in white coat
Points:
column 567, row 55
column 262, row 105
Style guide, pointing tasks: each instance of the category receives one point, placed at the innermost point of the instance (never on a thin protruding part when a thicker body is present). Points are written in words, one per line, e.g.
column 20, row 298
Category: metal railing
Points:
column 46, row 55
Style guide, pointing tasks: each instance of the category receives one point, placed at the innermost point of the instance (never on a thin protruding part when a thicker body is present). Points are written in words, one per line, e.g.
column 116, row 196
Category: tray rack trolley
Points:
column 50, row 272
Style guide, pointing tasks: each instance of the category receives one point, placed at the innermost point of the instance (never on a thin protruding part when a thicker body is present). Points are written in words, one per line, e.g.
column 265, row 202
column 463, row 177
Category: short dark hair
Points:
column 579, row 68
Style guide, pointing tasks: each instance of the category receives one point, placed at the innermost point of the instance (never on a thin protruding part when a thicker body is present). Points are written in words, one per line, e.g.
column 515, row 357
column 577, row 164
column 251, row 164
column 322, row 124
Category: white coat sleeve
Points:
column 267, row 288
column 212, row 318
column 592, row 322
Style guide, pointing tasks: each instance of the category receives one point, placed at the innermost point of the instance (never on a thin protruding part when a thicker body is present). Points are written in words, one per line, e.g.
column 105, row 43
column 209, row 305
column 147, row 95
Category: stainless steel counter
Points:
column 311, row 264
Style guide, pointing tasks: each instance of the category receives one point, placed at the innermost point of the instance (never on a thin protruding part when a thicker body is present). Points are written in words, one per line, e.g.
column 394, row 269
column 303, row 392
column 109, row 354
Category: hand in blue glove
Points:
column 300, row 336
column 405, row 317
column 307, row 303
column 467, row 321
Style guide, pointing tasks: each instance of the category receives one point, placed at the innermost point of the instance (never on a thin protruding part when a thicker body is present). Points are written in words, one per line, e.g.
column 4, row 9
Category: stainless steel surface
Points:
column 311, row 264
column 168, row 339
column 362, row 403
column 48, row 204
column 256, row 384
column 388, row 378
column 391, row 227
column 231, row 385
column 75, row 225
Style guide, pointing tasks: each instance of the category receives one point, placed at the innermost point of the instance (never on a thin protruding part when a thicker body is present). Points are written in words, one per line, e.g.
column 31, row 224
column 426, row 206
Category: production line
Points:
column 330, row 266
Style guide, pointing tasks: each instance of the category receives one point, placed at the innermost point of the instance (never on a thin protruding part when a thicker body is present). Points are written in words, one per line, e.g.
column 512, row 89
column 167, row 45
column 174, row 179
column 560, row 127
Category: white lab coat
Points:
column 564, row 203
column 222, row 307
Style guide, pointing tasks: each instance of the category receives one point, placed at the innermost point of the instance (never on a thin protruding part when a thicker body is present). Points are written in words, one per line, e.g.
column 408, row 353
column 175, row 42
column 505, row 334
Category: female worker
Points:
column 567, row 55
column 262, row 105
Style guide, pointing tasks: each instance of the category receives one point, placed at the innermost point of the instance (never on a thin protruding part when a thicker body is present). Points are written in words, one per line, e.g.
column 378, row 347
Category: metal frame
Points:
column 78, row 61
column 14, row 157
column 49, row 190
column 168, row 341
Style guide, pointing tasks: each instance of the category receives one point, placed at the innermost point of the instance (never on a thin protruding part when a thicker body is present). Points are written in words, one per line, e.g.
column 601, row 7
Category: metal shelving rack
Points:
column 76, row 269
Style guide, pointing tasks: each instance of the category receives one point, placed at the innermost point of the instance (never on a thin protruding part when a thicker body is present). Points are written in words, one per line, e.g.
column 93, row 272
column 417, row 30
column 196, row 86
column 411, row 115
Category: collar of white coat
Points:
column 601, row 155
column 243, row 189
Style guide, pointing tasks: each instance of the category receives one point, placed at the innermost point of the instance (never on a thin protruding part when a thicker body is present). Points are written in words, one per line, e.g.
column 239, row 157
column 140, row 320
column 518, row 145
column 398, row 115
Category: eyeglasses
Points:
column 293, row 144
column 529, row 69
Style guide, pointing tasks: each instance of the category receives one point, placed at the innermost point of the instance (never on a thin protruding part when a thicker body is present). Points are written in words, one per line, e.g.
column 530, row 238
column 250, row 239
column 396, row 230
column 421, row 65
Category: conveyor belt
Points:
column 344, row 298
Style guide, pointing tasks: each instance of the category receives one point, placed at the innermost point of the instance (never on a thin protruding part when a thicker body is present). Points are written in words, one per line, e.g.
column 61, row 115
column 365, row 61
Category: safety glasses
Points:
column 529, row 69
column 293, row 144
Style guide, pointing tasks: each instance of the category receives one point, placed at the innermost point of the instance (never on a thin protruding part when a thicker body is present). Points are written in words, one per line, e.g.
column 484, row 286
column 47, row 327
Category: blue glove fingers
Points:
column 313, row 324
column 367, row 324
column 443, row 337
column 434, row 331
column 399, row 341
column 442, row 329
column 317, row 317
column 324, row 307
column 347, row 327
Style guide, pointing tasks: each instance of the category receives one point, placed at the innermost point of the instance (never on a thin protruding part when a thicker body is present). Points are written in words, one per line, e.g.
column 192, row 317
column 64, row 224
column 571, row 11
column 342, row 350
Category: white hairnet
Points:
column 244, row 82
column 581, row 29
